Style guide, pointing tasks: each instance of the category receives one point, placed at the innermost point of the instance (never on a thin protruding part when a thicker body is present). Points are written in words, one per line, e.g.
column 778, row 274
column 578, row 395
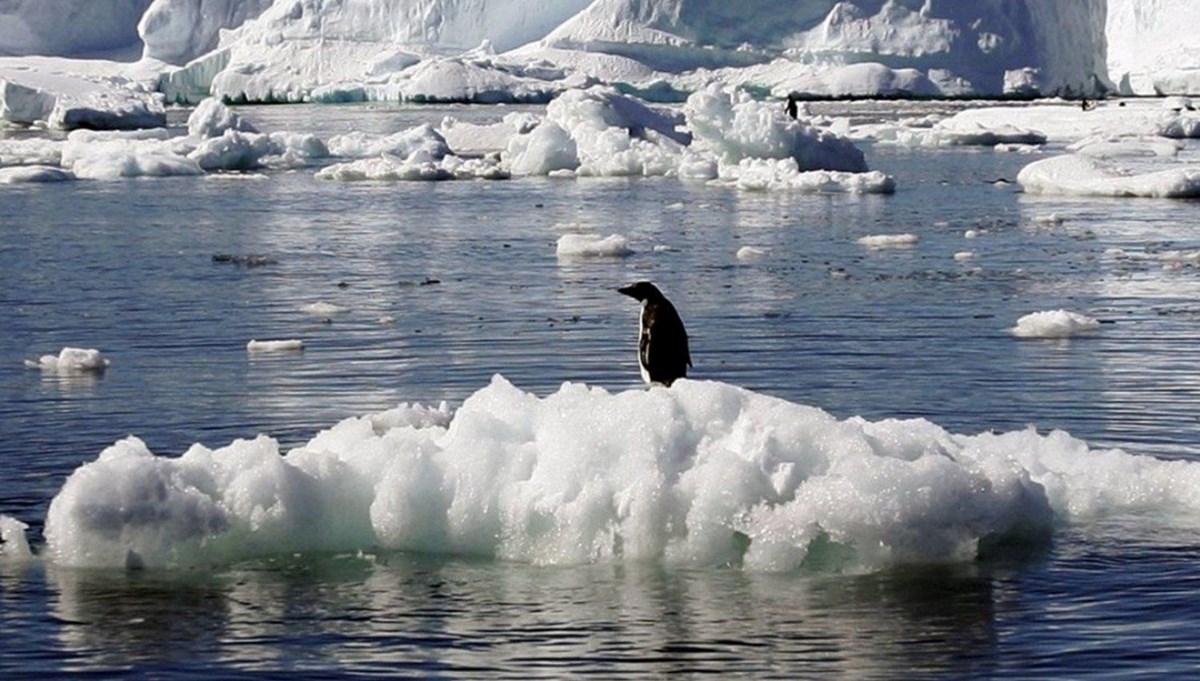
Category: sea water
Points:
column 421, row 292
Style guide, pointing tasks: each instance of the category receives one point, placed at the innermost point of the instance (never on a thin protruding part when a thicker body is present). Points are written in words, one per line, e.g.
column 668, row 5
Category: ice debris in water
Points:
column 71, row 360
column 591, row 246
column 703, row 473
column 13, row 544
column 1054, row 324
column 287, row 345
column 877, row 241
column 751, row 253
column 321, row 307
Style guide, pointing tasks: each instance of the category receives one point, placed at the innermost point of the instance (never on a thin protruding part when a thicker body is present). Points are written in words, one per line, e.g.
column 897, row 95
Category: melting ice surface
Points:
column 704, row 473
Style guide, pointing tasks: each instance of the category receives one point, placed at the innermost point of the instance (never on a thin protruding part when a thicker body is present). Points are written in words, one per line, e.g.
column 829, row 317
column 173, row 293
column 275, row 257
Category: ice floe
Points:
column 593, row 246
column 71, row 360
column 1054, row 324
column 285, row 345
column 701, row 474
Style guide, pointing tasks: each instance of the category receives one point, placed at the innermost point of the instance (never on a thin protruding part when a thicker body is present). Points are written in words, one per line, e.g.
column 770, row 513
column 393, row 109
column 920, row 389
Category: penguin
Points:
column 662, row 341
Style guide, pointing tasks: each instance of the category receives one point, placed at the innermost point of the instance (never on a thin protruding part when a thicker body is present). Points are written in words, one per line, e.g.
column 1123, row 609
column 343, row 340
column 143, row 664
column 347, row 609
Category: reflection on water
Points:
column 411, row 615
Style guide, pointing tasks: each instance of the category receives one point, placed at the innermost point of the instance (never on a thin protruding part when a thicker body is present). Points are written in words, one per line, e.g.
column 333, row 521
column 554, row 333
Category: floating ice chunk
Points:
column 23, row 174
column 71, row 361
column 1053, row 324
column 972, row 234
column 321, row 308
column 591, row 246
column 760, row 174
column 1049, row 220
column 1083, row 176
column 600, row 132
column 212, row 118
column 289, row 345
column 1181, row 125
column 422, row 138
column 392, row 168
column 734, row 126
column 751, row 253
column 545, row 149
column 465, row 137
column 14, row 547
column 232, row 150
column 15, row 152
column 602, row 108
column 1126, row 146
column 705, row 473
column 964, row 256
column 66, row 101
column 111, row 156
column 959, row 132
column 876, row 241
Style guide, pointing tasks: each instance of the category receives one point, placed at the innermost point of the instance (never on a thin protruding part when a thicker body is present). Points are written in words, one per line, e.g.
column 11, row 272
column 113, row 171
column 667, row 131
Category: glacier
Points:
column 504, row 50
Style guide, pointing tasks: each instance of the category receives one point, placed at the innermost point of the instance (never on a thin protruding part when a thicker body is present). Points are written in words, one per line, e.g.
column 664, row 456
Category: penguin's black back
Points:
column 663, row 342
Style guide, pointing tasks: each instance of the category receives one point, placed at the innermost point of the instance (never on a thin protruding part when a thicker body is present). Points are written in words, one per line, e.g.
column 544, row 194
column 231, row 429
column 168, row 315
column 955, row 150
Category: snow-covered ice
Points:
column 1054, row 324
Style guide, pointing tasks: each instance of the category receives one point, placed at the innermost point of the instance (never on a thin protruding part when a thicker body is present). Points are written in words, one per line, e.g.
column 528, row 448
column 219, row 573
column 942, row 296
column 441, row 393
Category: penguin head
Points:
column 643, row 291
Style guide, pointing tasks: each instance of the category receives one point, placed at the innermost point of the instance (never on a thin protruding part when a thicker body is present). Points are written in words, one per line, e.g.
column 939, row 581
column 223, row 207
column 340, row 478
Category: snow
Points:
column 71, row 361
column 592, row 246
column 702, row 473
column 1054, row 324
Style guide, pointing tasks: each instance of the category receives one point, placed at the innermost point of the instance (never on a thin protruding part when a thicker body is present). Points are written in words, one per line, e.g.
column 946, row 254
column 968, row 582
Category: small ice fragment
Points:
column 13, row 544
column 590, row 246
column 751, row 253
column 289, row 345
column 889, row 240
column 1053, row 324
column 971, row 234
column 1051, row 220
column 70, row 361
column 322, row 307
column 963, row 256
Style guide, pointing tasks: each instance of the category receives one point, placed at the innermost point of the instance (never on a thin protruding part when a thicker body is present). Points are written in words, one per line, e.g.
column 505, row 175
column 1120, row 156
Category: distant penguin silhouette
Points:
column 662, row 341
column 791, row 107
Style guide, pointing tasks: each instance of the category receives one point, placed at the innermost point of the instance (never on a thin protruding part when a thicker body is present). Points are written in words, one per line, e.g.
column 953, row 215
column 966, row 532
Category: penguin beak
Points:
column 627, row 290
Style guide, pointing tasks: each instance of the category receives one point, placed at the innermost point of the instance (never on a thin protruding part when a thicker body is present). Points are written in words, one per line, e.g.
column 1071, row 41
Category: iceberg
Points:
column 506, row 50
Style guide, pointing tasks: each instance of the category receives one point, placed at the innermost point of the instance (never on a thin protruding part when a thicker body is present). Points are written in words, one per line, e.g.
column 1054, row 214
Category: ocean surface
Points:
column 443, row 285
